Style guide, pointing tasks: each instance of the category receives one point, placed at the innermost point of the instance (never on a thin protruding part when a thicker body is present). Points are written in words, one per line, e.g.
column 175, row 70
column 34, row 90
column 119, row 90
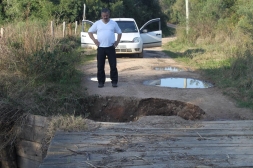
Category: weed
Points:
column 232, row 74
column 66, row 123
column 38, row 75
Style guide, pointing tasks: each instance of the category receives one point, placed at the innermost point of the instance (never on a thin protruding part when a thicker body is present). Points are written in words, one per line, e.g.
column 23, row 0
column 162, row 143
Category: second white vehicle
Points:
column 133, row 39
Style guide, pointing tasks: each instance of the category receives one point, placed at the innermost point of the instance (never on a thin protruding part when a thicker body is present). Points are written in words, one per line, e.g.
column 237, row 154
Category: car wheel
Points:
column 140, row 55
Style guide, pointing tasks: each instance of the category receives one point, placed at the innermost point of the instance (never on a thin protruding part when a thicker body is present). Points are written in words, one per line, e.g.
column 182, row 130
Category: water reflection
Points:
column 95, row 79
column 178, row 83
column 172, row 69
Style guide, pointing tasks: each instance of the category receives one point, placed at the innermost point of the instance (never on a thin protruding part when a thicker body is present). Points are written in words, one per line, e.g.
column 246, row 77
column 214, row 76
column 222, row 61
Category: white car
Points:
column 133, row 39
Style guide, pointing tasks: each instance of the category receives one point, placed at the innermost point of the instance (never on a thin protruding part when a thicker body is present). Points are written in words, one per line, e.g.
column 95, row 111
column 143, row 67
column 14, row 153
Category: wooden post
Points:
column 2, row 32
column 52, row 28
column 76, row 28
column 64, row 28
column 69, row 29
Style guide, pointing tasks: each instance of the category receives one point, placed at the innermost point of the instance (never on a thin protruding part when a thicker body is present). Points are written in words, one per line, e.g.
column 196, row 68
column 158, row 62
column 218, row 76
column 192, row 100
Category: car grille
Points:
column 126, row 41
column 123, row 50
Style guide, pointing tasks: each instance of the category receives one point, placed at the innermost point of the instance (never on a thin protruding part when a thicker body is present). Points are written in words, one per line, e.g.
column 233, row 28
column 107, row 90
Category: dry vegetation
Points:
column 219, row 43
column 38, row 76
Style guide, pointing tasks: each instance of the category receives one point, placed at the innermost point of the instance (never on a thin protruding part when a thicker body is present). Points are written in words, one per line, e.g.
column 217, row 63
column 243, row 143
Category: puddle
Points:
column 171, row 69
column 95, row 79
column 188, row 83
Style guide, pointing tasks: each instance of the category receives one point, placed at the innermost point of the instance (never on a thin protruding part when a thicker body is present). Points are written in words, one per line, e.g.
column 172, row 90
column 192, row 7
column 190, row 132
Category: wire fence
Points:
column 57, row 30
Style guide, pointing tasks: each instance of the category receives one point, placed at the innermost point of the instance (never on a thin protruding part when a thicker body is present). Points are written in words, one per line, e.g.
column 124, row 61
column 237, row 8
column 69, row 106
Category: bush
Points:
column 33, row 52
column 38, row 76
column 224, row 29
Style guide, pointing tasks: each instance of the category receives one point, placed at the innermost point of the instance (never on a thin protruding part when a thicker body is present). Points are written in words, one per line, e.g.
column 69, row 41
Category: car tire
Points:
column 140, row 55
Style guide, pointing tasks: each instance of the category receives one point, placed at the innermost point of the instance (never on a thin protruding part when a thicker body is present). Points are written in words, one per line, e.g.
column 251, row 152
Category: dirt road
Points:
column 134, row 71
column 154, row 141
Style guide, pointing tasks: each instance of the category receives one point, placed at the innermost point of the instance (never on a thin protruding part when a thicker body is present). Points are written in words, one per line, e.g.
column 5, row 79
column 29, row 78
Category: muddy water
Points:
column 95, row 79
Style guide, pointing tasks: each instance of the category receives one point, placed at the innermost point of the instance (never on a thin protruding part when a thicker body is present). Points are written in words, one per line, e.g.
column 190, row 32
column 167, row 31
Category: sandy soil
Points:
column 134, row 71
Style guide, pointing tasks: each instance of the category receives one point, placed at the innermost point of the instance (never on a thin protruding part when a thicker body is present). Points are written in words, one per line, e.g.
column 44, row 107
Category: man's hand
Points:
column 116, row 44
column 96, row 42
column 118, row 40
column 93, row 39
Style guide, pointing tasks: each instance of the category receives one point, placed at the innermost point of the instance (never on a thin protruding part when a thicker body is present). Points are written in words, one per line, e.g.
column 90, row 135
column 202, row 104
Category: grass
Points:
column 231, row 74
column 39, row 75
column 87, row 55
column 65, row 123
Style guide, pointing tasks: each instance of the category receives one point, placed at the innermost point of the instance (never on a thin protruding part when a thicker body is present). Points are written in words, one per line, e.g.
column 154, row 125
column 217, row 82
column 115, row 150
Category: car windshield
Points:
column 127, row 26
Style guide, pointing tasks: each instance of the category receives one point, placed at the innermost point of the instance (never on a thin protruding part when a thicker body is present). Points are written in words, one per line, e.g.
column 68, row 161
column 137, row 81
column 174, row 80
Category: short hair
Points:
column 105, row 10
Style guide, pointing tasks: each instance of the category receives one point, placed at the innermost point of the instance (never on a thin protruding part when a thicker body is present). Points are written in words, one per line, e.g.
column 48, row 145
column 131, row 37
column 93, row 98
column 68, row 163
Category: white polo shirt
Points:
column 105, row 32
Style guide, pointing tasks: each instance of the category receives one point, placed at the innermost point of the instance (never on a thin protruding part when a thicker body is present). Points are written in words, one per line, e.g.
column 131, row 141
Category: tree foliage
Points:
column 167, row 9
column 210, row 18
column 72, row 10
column 224, row 28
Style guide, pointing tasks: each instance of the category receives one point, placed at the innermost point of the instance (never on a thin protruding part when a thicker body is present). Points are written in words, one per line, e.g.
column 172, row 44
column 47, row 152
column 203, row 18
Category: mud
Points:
column 125, row 109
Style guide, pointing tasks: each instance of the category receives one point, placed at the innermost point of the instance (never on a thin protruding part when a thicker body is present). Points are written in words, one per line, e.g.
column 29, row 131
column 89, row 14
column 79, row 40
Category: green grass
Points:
column 39, row 75
column 51, row 85
column 87, row 56
column 231, row 74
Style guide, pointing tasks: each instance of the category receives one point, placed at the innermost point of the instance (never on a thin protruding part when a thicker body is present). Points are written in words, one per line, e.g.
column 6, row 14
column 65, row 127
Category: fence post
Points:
column 75, row 27
column 52, row 28
column 2, row 32
column 70, row 29
column 64, row 27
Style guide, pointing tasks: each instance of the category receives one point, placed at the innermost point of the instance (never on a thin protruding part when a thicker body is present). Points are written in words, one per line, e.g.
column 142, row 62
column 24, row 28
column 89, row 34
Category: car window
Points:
column 127, row 26
column 86, row 25
column 152, row 27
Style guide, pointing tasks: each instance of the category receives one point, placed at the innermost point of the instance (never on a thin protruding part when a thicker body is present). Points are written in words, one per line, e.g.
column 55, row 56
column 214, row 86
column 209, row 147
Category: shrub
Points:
column 38, row 75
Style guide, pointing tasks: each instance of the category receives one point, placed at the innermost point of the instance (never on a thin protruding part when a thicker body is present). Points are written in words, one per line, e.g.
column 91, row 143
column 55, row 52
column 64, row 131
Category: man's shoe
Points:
column 114, row 85
column 100, row 85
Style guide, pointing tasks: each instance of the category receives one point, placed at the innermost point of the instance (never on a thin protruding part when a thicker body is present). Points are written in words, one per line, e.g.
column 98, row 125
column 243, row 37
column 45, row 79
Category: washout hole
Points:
column 171, row 69
column 126, row 109
column 187, row 83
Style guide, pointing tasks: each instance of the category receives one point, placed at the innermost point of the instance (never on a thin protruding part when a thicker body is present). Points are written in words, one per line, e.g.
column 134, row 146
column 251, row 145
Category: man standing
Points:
column 105, row 29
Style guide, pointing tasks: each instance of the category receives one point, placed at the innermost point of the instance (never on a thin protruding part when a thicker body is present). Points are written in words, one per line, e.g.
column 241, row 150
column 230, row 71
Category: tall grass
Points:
column 38, row 75
column 223, row 30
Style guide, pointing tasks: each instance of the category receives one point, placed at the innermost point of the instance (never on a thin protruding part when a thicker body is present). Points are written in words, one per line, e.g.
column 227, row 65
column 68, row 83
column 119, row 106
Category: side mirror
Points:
column 144, row 31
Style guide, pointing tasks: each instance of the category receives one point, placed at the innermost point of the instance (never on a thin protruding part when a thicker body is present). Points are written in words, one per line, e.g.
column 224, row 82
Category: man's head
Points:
column 105, row 14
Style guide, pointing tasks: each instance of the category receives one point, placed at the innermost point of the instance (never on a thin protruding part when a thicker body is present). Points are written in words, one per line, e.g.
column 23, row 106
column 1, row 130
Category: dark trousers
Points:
column 102, row 52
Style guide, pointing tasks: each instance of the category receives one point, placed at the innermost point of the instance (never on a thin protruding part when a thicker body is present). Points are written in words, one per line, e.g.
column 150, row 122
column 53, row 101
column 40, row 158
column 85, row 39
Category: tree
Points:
column 167, row 9
column 72, row 10
column 2, row 11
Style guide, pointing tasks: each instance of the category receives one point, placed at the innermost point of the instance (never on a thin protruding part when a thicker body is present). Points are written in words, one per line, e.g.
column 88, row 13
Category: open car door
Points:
column 85, row 38
column 151, row 33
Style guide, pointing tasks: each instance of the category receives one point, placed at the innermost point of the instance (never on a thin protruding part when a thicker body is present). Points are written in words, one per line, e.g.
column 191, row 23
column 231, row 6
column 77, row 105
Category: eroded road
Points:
column 155, row 141
column 134, row 71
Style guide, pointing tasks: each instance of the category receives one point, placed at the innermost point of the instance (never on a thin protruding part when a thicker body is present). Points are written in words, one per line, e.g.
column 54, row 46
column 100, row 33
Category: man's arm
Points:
column 93, row 39
column 118, row 40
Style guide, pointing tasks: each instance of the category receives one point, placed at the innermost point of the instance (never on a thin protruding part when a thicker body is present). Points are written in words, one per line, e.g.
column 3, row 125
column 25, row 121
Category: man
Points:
column 105, row 29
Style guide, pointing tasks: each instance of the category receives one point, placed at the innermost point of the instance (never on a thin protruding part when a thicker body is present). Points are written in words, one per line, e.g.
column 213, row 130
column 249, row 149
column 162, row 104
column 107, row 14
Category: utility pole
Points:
column 84, row 17
column 84, row 8
column 187, row 15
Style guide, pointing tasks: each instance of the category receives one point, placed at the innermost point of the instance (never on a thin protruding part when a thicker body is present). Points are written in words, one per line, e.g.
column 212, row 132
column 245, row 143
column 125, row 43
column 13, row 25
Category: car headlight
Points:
column 136, row 40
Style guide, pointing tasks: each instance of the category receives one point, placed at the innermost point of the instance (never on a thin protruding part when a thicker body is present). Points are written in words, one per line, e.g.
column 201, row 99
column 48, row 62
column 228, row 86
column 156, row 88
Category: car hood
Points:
column 127, row 37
